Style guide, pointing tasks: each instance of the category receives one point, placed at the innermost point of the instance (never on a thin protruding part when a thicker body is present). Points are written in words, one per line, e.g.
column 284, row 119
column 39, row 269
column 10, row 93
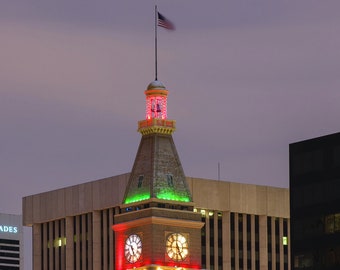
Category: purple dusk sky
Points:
column 245, row 79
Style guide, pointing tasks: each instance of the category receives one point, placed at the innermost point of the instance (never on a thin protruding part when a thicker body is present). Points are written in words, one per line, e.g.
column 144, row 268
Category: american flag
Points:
column 164, row 22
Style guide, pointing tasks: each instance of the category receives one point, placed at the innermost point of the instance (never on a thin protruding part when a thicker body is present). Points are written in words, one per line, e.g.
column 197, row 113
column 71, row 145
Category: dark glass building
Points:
column 315, row 203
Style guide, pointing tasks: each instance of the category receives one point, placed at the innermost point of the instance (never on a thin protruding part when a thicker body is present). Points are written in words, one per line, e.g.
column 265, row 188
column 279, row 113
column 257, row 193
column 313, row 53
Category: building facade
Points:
column 11, row 242
column 315, row 203
column 156, row 218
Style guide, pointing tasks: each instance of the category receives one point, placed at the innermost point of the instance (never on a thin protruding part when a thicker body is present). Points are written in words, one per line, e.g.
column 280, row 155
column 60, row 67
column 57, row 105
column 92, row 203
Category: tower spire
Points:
column 157, row 172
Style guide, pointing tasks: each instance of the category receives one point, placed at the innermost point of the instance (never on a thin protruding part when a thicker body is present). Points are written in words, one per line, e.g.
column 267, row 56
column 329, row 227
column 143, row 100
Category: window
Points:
column 140, row 180
column 170, row 179
column 332, row 223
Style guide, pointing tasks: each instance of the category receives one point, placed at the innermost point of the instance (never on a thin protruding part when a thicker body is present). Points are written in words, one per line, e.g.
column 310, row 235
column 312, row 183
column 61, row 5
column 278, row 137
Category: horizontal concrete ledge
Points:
column 160, row 221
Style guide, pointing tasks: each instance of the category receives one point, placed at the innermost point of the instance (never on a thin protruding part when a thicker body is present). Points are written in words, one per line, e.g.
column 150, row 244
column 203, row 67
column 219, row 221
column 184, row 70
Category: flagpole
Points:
column 156, row 42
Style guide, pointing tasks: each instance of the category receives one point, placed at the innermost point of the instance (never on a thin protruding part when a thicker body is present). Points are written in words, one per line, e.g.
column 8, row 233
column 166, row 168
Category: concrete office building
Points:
column 315, row 203
column 11, row 242
column 156, row 218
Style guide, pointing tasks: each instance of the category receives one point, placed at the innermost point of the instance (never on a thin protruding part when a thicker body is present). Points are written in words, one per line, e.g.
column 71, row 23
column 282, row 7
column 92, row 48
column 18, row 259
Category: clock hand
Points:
column 179, row 251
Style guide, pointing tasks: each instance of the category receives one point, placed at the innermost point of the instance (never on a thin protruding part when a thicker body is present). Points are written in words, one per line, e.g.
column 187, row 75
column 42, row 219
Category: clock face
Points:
column 177, row 247
column 133, row 248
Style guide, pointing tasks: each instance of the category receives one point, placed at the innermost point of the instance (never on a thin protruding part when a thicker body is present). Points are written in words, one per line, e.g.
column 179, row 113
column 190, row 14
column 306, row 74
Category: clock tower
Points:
column 156, row 227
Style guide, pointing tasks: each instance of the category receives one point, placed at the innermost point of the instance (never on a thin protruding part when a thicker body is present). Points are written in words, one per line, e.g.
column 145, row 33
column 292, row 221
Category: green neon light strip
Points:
column 172, row 197
column 163, row 196
column 137, row 198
